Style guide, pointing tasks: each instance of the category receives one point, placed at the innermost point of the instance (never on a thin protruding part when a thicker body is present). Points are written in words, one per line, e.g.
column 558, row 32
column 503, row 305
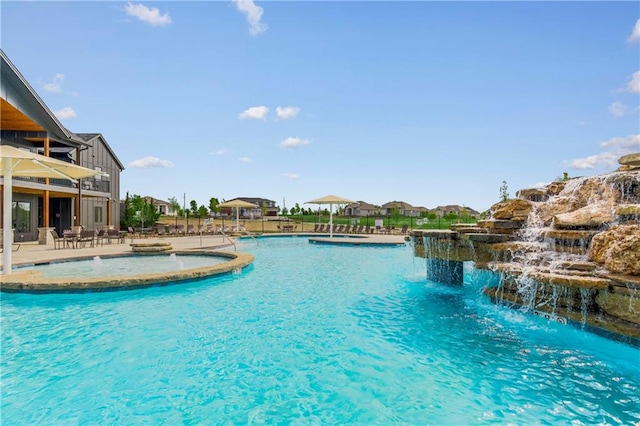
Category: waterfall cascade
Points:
column 568, row 250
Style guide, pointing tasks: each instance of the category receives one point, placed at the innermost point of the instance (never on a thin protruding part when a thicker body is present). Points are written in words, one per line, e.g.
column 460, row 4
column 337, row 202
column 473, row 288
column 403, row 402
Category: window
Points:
column 97, row 214
column 21, row 215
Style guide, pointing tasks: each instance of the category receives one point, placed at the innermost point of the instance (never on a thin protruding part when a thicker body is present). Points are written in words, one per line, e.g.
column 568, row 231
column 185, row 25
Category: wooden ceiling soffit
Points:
column 12, row 119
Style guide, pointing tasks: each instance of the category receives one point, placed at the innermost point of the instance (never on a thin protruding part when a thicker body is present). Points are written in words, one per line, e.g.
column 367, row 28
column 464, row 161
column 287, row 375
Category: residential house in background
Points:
column 442, row 211
column 361, row 209
column 270, row 207
column 41, row 204
column 403, row 208
column 164, row 207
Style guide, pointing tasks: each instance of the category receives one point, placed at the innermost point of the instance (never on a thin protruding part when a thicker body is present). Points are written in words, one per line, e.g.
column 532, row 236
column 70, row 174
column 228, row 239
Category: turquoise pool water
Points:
column 133, row 265
column 310, row 334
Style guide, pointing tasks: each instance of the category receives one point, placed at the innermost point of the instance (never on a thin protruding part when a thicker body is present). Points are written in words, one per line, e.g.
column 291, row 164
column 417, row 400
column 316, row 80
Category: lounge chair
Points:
column 404, row 229
column 180, row 229
column 173, row 230
column 368, row 230
column 191, row 230
column 315, row 228
column 161, row 231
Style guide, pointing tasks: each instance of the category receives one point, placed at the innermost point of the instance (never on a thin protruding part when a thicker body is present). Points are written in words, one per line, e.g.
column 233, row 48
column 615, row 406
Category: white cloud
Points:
column 630, row 143
column 219, row 152
column 149, row 15
column 56, row 84
column 617, row 109
column 633, row 85
column 148, row 162
column 293, row 143
column 292, row 175
column 65, row 113
column 253, row 14
column 245, row 160
column 635, row 33
column 286, row 113
column 616, row 148
column 254, row 113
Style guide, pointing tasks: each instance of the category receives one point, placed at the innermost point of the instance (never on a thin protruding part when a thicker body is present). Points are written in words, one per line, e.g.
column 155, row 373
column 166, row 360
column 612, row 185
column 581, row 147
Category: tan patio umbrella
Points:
column 238, row 204
column 331, row 200
column 20, row 162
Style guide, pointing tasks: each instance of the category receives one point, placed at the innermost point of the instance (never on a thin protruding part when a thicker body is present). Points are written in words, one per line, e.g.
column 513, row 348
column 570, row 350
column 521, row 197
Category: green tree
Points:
column 285, row 211
column 213, row 205
column 139, row 212
column 504, row 191
column 395, row 214
column 193, row 204
column 175, row 205
column 202, row 211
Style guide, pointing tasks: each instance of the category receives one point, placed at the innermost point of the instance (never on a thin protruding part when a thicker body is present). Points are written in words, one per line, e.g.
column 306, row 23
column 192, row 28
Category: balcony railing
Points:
column 88, row 184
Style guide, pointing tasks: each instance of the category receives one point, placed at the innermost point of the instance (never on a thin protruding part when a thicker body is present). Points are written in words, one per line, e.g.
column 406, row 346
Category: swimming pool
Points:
column 125, row 265
column 308, row 334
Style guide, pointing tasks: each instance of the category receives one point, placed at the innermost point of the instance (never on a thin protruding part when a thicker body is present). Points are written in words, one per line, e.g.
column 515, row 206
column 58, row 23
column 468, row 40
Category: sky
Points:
column 431, row 103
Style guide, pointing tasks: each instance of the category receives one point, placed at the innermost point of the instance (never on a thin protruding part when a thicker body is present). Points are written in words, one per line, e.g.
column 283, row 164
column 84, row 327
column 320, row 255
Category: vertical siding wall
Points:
column 99, row 156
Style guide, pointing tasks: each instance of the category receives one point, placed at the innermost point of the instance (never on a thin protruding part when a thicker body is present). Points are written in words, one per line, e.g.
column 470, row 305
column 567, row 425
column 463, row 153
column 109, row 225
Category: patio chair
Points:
column 321, row 228
column 114, row 234
column 191, row 230
column 180, row 229
column 132, row 232
column 315, row 228
column 58, row 241
column 86, row 237
column 173, row 231
column 100, row 237
column 368, row 230
column 404, row 229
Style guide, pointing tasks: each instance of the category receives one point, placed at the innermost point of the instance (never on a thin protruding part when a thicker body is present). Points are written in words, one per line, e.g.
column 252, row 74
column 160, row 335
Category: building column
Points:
column 108, row 211
column 45, row 197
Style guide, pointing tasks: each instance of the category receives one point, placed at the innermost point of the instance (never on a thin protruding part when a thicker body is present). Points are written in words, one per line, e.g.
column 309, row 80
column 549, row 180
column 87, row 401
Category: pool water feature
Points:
column 308, row 334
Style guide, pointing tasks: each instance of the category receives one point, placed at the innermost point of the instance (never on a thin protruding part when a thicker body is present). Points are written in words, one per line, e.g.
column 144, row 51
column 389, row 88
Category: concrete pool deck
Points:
column 32, row 253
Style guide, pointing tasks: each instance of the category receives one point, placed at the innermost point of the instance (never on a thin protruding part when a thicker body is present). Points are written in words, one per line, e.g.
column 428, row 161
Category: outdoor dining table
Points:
column 70, row 238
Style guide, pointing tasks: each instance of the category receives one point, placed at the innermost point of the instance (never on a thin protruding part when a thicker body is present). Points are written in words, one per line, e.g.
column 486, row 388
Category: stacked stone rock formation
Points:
column 571, row 249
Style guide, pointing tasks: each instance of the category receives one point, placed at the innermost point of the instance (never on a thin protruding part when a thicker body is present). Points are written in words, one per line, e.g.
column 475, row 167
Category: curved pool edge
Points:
column 31, row 281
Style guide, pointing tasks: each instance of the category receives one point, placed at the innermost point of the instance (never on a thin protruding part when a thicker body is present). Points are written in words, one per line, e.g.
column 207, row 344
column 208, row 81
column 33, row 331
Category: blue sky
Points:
column 431, row 103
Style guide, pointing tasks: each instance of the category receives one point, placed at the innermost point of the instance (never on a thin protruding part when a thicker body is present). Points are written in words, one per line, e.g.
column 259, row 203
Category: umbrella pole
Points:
column 330, row 220
column 6, row 218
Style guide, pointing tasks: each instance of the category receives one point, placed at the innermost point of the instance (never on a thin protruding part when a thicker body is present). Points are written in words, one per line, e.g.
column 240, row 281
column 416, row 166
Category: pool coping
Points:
column 31, row 281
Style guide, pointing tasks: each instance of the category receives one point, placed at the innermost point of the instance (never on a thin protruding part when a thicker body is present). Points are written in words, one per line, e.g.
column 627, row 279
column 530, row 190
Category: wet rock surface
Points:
column 572, row 246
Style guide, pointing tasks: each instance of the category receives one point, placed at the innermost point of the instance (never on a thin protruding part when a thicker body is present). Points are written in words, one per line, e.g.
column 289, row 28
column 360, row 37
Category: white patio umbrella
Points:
column 19, row 162
column 238, row 204
column 331, row 200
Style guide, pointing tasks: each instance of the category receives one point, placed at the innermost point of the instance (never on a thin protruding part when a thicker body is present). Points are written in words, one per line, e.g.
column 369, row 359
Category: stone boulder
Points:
column 514, row 209
column 591, row 216
column 629, row 162
column 618, row 249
